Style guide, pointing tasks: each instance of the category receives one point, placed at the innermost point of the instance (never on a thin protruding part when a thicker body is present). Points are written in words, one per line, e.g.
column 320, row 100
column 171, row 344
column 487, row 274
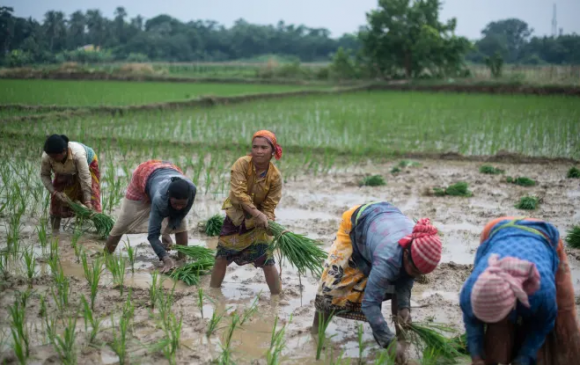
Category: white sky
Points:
column 339, row 16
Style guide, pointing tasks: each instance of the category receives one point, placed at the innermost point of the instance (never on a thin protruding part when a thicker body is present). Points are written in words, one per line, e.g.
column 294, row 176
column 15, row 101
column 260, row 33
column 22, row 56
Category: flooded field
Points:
column 310, row 205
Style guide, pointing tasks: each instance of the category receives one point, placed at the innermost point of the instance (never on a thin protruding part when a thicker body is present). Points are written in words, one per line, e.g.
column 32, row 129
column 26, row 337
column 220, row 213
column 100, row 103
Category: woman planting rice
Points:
column 255, row 191
column 518, row 304
column 161, row 194
column 76, row 177
column 376, row 256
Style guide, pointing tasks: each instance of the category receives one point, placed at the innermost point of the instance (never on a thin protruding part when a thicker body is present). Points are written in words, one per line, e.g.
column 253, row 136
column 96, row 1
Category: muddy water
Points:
column 311, row 205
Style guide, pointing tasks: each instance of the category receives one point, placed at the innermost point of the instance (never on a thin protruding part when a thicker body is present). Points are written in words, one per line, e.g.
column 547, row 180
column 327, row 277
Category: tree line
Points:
column 400, row 36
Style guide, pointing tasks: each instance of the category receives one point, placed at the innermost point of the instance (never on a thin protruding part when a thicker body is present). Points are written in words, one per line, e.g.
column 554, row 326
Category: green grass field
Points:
column 96, row 93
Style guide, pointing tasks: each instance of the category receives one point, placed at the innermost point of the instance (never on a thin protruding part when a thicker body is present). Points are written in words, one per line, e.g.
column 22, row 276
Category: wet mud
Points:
column 313, row 206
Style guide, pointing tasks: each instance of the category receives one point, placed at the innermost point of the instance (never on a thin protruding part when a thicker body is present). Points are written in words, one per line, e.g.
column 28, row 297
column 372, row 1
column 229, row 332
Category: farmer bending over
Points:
column 376, row 256
column 76, row 177
column 518, row 304
column 255, row 191
column 161, row 194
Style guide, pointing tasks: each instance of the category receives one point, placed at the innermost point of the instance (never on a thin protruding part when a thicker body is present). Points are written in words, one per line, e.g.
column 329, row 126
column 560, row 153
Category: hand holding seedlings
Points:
column 168, row 265
column 404, row 317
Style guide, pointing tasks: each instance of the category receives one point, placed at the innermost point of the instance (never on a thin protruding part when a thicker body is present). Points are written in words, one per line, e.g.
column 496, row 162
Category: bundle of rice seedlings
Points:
column 375, row 180
column 573, row 237
column 573, row 173
column 490, row 170
column 102, row 222
column 521, row 181
column 191, row 272
column 395, row 170
column 213, row 226
column 195, row 252
column 408, row 163
column 528, row 203
column 460, row 343
column 302, row 252
column 458, row 189
column 427, row 336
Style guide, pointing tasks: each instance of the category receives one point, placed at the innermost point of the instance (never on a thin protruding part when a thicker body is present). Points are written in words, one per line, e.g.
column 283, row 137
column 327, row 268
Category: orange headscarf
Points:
column 270, row 137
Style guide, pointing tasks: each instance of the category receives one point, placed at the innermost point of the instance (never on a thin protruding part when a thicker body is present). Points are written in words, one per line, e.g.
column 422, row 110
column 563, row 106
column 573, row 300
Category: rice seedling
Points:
column 102, row 222
column 460, row 343
column 321, row 336
column 457, row 189
column 395, row 170
column 490, row 170
column 77, row 233
column 93, row 275
column 42, row 234
column 119, row 342
column 226, row 355
column 132, row 254
column 53, row 248
column 249, row 312
column 521, row 181
column 200, row 300
column 116, row 266
column 30, row 261
column 190, row 273
column 573, row 173
column 42, row 311
column 214, row 322
column 573, row 237
column 154, row 288
column 361, row 345
column 91, row 320
column 20, row 339
column 302, row 252
column 374, row 180
column 428, row 336
column 60, row 290
column 385, row 357
column 195, row 252
column 277, row 344
column 213, row 226
column 172, row 328
column 528, row 203
column 65, row 344
column 164, row 302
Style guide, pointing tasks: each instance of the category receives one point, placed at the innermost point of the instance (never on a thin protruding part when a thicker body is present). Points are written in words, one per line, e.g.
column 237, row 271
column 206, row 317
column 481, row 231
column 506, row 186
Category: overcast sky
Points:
column 339, row 16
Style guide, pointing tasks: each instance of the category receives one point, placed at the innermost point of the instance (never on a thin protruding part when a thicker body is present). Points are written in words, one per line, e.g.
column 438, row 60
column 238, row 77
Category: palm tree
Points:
column 55, row 27
column 96, row 25
column 77, row 28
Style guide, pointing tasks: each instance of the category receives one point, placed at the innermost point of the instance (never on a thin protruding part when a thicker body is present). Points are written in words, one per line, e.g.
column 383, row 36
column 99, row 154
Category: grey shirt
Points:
column 157, row 190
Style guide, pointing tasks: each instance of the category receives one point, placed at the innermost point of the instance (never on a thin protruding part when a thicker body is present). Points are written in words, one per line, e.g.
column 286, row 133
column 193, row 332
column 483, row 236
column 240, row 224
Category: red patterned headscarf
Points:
column 270, row 137
column 426, row 248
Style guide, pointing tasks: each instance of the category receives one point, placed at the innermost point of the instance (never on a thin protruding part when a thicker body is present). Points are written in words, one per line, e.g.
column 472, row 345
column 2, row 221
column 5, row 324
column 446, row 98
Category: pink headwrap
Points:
column 426, row 248
column 497, row 290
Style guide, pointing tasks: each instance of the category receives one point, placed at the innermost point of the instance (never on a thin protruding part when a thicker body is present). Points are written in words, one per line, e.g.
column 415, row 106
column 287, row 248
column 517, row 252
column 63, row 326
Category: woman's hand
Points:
column 404, row 317
column 60, row 196
column 398, row 351
column 261, row 220
column 168, row 265
column 88, row 204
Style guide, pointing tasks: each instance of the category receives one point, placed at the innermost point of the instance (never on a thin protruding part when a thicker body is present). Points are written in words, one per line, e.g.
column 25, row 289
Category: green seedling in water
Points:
column 200, row 300
column 30, row 262
column 42, row 235
column 573, row 237
column 65, row 344
column 528, row 203
column 361, row 345
column 164, row 302
column 91, row 320
column 93, row 275
column 573, row 173
column 521, row 181
column 395, row 170
column 277, row 344
column 214, row 322
column 75, row 240
column 60, row 291
column 408, row 163
column 116, row 265
column 490, row 170
column 42, row 311
column 457, row 189
column 132, row 254
column 54, row 248
column 20, row 339
column 226, row 355
column 387, row 357
column 322, row 326
column 154, row 288
column 172, row 328
column 119, row 342
column 248, row 313
column 375, row 180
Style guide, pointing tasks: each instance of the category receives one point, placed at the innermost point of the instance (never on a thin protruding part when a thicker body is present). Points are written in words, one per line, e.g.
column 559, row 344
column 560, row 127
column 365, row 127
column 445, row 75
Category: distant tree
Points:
column 55, row 27
column 6, row 29
column 342, row 66
column 407, row 35
column 508, row 37
column 96, row 27
column 77, row 30
column 120, row 15
column 495, row 64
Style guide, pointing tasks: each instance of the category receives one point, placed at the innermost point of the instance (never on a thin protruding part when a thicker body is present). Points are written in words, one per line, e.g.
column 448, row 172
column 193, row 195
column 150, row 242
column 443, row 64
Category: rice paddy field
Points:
column 61, row 303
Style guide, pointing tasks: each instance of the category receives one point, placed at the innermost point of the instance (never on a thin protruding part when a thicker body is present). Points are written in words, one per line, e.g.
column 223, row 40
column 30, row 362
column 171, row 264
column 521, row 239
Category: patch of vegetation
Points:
column 213, row 226
column 521, row 181
column 408, row 163
column 490, row 170
column 375, row 180
column 457, row 189
column 573, row 173
column 528, row 203
column 395, row 170
column 573, row 237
